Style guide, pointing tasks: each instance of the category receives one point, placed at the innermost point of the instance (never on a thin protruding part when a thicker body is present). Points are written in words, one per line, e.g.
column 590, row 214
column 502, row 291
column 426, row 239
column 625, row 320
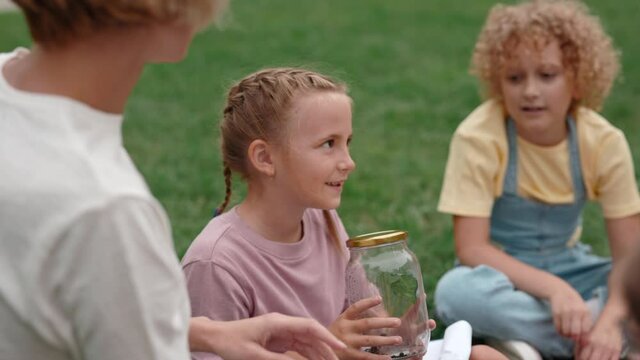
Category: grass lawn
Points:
column 406, row 63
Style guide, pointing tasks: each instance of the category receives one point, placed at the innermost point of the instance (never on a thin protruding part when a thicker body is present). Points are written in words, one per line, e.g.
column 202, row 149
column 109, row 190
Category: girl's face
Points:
column 537, row 92
column 313, row 165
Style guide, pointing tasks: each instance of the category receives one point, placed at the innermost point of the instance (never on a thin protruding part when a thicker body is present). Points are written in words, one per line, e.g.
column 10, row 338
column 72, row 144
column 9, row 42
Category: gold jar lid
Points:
column 377, row 238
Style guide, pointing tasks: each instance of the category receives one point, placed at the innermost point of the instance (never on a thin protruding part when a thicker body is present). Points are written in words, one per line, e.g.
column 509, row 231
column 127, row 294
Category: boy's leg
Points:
column 487, row 299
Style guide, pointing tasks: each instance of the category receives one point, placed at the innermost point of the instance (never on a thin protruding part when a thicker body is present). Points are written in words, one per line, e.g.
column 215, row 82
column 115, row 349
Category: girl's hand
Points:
column 604, row 342
column 571, row 316
column 352, row 328
column 410, row 327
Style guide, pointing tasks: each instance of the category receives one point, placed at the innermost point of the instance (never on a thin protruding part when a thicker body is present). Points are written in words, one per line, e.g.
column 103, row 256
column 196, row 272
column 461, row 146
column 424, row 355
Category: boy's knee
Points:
column 463, row 291
column 452, row 294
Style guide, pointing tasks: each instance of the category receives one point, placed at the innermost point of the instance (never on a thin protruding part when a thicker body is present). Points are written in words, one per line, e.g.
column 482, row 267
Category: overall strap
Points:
column 510, row 185
column 511, row 177
column 574, row 160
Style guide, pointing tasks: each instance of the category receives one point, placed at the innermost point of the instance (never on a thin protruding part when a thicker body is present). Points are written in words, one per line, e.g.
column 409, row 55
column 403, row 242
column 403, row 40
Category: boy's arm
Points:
column 474, row 248
column 570, row 313
column 605, row 340
column 118, row 283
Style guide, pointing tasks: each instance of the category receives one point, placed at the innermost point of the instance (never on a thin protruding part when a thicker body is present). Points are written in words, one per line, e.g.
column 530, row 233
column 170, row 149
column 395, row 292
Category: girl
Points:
column 520, row 168
column 286, row 132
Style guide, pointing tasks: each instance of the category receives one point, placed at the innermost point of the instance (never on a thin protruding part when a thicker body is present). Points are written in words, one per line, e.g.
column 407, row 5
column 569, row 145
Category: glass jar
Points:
column 381, row 264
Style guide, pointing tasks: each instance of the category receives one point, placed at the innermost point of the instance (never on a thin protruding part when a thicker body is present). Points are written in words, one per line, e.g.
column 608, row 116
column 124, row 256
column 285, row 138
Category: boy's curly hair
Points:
column 587, row 50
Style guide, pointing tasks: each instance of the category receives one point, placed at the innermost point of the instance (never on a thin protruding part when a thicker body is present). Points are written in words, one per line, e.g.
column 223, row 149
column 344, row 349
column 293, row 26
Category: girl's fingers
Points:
column 356, row 309
column 365, row 325
column 375, row 340
column 432, row 324
column 355, row 354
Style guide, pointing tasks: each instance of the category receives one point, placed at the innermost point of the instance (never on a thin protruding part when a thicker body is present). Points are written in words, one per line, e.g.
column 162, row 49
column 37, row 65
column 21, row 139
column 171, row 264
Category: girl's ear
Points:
column 260, row 157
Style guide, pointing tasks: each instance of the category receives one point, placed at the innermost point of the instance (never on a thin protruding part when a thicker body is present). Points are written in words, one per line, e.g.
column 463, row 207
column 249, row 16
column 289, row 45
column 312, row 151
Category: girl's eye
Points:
column 328, row 144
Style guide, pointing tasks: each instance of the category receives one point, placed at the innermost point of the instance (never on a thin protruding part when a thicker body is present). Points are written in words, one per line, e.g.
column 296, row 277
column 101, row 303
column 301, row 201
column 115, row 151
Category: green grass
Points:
column 406, row 64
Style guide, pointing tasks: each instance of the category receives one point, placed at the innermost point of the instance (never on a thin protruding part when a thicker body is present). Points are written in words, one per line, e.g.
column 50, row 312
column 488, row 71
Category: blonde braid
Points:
column 227, row 183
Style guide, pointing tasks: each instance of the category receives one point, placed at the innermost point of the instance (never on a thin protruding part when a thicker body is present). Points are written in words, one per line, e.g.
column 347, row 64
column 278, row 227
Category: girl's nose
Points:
column 347, row 164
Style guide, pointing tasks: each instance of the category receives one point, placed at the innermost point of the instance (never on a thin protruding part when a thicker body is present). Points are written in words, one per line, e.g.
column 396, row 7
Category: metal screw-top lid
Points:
column 377, row 238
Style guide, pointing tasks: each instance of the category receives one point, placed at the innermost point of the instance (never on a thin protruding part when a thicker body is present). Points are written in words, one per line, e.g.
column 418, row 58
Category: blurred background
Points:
column 406, row 65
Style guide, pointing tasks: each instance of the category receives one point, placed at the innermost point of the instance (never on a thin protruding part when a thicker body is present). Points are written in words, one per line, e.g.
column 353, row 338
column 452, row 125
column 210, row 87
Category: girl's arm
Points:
column 571, row 315
column 605, row 340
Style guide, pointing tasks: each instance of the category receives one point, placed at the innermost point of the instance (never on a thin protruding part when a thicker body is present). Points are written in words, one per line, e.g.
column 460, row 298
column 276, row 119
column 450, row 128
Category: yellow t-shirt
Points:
column 478, row 159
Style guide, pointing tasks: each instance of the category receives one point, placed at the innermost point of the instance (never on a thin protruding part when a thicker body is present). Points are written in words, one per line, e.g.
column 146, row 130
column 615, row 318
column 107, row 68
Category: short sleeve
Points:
column 470, row 177
column 214, row 292
column 119, row 283
column 616, row 188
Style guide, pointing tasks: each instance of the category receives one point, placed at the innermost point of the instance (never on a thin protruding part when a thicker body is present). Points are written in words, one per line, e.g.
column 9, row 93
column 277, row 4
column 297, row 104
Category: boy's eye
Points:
column 548, row 75
column 328, row 144
column 514, row 78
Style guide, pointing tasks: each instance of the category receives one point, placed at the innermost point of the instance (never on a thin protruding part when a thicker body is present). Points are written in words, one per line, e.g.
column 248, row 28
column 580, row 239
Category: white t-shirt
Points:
column 87, row 265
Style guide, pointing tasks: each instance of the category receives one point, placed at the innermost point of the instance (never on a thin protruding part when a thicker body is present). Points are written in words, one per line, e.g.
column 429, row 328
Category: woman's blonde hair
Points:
column 56, row 22
column 258, row 107
column 587, row 51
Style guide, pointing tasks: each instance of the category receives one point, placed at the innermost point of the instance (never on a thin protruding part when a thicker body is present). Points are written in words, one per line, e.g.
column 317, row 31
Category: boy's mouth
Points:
column 533, row 108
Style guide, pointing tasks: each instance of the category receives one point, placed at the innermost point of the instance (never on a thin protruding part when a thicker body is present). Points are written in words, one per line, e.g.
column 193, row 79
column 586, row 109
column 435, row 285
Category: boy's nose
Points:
column 531, row 89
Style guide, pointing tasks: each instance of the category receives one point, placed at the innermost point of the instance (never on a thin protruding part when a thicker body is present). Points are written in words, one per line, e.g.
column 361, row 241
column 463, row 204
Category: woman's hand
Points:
column 353, row 328
column 571, row 316
column 263, row 337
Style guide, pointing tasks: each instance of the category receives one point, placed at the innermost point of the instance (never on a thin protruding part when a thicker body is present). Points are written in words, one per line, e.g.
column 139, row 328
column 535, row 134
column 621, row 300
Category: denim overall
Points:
column 537, row 234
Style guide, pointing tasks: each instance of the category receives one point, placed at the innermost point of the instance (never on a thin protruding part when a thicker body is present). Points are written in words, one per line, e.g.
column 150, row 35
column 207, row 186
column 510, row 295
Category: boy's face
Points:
column 537, row 92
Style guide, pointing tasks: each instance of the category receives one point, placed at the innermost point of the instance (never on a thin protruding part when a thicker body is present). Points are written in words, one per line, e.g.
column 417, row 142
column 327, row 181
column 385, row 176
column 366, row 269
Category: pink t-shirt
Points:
column 234, row 273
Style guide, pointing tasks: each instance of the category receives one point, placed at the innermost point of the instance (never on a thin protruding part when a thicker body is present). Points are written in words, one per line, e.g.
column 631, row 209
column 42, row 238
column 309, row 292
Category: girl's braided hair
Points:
column 257, row 107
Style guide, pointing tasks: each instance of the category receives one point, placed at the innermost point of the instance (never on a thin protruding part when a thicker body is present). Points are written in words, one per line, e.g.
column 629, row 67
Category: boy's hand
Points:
column 352, row 328
column 571, row 315
column 604, row 342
